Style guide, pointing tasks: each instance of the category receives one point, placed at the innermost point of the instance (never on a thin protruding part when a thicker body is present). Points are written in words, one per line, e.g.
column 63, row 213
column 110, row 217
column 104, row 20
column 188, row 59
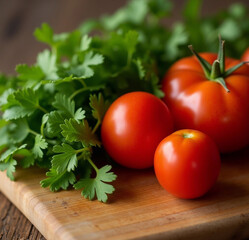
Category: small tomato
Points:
column 187, row 163
column 132, row 128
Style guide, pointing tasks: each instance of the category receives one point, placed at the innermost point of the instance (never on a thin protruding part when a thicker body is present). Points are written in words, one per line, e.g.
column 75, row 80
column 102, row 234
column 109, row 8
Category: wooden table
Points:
column 18, row 19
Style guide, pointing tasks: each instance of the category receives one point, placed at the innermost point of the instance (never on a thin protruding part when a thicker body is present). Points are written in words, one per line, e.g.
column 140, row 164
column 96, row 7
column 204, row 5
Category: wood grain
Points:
column 14, row 225
column 139, row 209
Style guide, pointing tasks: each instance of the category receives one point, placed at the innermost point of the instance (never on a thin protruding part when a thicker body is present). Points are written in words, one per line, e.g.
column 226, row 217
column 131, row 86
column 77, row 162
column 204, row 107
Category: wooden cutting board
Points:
column 139, row 209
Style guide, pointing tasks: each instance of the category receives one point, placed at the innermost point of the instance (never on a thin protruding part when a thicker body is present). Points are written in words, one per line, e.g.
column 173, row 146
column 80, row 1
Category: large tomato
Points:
column 132, row 128
column 187, row 163
column 245, row 56
column 197, row 102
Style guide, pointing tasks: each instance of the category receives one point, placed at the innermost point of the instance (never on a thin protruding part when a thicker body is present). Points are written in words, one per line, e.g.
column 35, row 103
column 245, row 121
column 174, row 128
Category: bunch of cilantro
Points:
column 52, row 110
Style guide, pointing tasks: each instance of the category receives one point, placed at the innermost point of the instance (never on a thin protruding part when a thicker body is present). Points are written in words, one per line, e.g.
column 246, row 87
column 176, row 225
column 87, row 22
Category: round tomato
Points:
column 245, row 56
column 187, row 163
column 132, row 128
column 202, row 103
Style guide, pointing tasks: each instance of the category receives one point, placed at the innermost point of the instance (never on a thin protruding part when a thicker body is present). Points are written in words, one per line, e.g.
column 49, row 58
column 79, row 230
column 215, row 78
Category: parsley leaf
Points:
column 44, row 34
column 74, row 131
column 40, row 144
column 99, row 106
column 47, row 62
column 10, row 166
column 67, row 107
column 66, row 159
column 85, row 70
column 97, row 186
column 57, row 181
column 29, row 73
column 23, row 103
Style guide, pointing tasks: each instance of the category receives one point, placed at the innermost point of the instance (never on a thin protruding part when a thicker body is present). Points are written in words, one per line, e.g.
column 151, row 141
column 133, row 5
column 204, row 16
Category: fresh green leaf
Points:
column 99, row 106
column 74, row 131
column 57, row 181
column 47, row 62
column 40, row 144
column 18, row 130
column 7, row 155
column 64, row 105
column 85, row 43
column 55, row 119
column 97, row 186
column 44, row 34
column 27, row 159
column 29, row 73
column 10, row 166
column 66, row 159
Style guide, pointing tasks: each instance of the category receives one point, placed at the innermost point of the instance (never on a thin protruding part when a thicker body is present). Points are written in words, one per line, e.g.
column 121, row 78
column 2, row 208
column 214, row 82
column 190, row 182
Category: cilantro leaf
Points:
column 66, row 159
column 97, row 186
column 22, row 102
column 29, row 73
column 47, row 62
column 85, row 43
column 178, row 38
column 7, row 162
column 18, row 130
column 67, row 107
column 27, row 159
column 99, row 106
column 55, row 119
column 10, row 152
column 57, row 181
column 74, row 131
column 131, row 39
column 44, row 34
column 40, row 144
column 10, row 166
column 85, row 70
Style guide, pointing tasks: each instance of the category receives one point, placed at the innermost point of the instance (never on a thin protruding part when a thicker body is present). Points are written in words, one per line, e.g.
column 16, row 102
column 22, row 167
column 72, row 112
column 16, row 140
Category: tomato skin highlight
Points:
column 187, row 167
column 132, row 128
column 198, row 103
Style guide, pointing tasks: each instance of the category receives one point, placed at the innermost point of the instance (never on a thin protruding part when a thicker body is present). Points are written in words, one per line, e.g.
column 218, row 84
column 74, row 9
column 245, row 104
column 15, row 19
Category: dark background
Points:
column 18, row 19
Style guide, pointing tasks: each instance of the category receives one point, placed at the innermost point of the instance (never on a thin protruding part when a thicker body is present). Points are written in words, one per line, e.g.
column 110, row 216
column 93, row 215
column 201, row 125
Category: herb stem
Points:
column 93, row 165
column 42, row 109
column 96, row 126
column 83, row 83
column 33, row 132
column 83, row 150
column 77, row 92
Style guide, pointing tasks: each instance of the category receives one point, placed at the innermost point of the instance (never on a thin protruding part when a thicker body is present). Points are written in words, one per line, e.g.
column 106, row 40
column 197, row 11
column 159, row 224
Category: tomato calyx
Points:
column 216, row 72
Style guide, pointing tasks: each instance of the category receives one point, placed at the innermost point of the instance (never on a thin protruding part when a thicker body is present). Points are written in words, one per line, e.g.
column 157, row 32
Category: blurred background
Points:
column 19, row 18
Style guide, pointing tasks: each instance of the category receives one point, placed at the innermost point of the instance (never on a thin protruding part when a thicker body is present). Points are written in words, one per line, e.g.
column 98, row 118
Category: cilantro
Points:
column 66, row 159
column 58, row 181
column 53, row 109
column 40, row 143
column 74, row 131
column 99, row 106
column 10, row 166
column 97, row 185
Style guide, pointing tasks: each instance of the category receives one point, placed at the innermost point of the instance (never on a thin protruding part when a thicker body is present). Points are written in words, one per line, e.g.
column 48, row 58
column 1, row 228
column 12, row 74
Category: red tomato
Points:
column 132, row 128
column 202, row 104
column 245, row 56
column 187, row 163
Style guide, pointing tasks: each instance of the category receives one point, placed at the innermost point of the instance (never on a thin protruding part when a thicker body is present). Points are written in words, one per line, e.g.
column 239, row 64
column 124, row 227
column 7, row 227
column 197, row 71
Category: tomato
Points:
column 132, row 128
column 197, row 102
column 245, row 56
column 187, row 163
